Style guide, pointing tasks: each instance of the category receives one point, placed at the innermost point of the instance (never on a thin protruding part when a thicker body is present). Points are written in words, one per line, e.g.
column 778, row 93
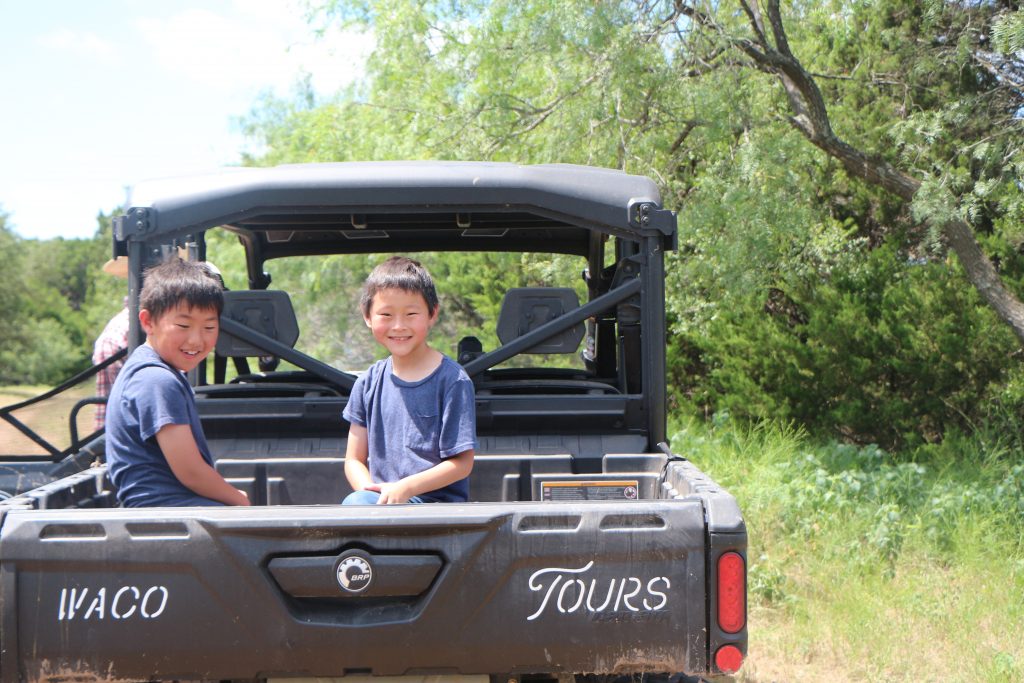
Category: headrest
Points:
column 267, row 311
column 527, row 308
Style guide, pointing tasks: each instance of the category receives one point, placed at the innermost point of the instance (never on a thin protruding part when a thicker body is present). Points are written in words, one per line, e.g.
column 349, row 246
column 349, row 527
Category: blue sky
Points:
column 99, row 94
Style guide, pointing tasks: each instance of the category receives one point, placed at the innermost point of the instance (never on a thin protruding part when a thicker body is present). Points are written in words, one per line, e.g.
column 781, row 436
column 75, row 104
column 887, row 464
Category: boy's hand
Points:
column 391, row 493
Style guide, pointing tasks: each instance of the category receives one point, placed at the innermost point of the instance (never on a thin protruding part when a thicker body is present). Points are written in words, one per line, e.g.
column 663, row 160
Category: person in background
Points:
column 112, row 339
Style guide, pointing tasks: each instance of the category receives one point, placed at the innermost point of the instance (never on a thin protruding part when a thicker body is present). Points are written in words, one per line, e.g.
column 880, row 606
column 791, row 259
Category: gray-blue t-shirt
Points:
column 148, row 395
column 413, row 426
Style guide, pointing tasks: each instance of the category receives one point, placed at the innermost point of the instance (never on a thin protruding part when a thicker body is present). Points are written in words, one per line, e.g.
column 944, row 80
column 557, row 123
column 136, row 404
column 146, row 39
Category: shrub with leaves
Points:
column 892, row 351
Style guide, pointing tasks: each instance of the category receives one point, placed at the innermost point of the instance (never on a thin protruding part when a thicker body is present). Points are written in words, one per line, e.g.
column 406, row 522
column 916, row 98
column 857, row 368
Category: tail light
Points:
column 732, row 593
column 728, row 659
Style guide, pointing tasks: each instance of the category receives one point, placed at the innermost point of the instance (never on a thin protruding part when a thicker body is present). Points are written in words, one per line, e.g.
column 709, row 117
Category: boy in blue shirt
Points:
column 412, row 416
column 157, row 454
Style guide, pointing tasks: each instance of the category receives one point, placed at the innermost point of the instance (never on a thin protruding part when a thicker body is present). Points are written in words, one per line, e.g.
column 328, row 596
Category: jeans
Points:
column 177, row 501
column 371, row 498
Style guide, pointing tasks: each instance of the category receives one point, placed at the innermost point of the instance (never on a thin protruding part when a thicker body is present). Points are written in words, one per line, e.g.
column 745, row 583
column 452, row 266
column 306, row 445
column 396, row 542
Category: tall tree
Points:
column 664, row 88
column 49, row 304
column 11, row 282
column 986, row 85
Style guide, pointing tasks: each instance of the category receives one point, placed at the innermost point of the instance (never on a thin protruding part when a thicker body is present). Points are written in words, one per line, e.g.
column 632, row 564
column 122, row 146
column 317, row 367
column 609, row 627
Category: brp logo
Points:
column 355, row 573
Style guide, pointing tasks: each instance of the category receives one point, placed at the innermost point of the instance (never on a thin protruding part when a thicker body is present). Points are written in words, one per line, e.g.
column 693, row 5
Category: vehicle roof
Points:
column 371, row 206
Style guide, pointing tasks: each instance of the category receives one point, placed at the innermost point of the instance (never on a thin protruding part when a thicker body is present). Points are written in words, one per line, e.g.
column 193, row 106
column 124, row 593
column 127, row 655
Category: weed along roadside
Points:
column 858, row 555
column 586, row 545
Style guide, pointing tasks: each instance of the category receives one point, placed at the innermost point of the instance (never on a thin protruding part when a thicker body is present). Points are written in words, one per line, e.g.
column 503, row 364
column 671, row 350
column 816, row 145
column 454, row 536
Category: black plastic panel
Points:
column 580, row 596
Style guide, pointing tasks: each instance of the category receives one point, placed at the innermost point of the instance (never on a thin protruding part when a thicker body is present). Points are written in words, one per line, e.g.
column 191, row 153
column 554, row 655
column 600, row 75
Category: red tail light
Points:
column 728, row 659
column 732, row 593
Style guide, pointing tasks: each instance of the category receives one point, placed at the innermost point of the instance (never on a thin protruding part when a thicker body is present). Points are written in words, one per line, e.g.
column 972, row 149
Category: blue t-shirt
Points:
column 413, row 426
column 148, row 395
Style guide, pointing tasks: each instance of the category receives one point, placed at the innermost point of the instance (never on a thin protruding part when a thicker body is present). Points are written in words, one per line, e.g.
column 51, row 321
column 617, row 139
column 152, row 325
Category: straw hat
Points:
column 117, row 267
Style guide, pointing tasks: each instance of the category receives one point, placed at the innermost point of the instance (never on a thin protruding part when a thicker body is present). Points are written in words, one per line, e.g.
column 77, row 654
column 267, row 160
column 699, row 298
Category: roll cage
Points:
column 402, row 207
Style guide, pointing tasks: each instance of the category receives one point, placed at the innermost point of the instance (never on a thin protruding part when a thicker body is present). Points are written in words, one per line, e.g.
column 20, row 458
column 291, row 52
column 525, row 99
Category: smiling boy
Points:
column 412, row 416
column 156, row 451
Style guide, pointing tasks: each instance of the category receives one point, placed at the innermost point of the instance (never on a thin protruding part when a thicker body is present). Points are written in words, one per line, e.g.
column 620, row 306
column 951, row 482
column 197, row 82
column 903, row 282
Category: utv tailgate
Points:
column 326, row 591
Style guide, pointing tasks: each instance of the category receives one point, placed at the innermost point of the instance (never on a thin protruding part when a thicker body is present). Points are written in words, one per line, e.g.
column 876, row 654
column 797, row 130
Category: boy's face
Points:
column 182, row 336
column 400, row 321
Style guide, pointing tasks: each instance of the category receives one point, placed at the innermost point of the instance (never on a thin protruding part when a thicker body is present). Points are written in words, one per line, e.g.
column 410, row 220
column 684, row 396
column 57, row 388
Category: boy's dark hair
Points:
column 399, row 272
column 176, row 281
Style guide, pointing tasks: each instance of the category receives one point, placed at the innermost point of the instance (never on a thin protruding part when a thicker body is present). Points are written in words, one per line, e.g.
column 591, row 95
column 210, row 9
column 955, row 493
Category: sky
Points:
column 97, row 95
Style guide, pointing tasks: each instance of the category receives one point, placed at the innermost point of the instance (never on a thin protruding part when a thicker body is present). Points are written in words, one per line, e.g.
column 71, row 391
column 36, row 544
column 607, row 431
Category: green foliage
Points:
column 797, row 292
column 778, row 305
column 927, row 93
column 49, row 300
column 896, row 500
column 1008, row 32
column 847, row 542
column 881, row 499
column 12, row 294
column 325, row 293
column 888, row 351
column 58, row 276
column 529, row 82
column 473, row 302
column 751, row 221
column 104, row 294
column 41, row 352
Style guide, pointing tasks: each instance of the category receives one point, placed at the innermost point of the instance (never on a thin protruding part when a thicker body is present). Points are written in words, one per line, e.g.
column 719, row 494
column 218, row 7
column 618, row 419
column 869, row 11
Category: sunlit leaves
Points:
column 765, row 218
column 1008, row 32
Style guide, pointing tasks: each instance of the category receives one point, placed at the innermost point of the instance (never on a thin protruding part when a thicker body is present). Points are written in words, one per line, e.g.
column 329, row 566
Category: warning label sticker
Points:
column 589, row 490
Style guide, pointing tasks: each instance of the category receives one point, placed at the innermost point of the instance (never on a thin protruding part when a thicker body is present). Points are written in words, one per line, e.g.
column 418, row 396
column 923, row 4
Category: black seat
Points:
column 523, row 310
column 267, row 311
column 468, row 349
column 526, row 308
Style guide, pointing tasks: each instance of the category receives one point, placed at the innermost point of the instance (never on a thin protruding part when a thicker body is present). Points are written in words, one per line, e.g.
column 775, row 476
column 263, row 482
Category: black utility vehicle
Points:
column 588, row 548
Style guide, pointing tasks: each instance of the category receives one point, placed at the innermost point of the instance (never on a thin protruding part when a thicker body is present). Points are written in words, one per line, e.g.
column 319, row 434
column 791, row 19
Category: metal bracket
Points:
column 648, row 215
column 138, row 221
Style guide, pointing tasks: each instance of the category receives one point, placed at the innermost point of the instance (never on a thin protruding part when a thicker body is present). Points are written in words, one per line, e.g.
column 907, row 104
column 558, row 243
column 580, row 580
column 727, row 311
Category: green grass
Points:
column 869, row 566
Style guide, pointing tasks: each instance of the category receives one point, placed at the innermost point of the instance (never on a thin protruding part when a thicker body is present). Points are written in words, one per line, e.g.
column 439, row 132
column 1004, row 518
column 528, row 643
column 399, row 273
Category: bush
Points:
column 890, row 352
column 41, row 352
column 1002, row 411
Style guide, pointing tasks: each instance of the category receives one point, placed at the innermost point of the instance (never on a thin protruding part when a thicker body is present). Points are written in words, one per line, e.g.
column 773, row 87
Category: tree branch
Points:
column 810, row 118
column 753, row 13
column 683, row 134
